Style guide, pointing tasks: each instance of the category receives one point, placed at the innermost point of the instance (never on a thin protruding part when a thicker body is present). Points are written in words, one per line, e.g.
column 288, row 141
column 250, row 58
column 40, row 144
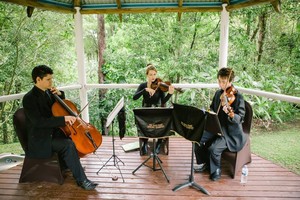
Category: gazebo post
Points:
column 224, row 34
column 80, row 64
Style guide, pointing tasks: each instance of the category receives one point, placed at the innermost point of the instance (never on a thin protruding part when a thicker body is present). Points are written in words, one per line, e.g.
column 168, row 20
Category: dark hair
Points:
column 40, row 71
column 226, row 72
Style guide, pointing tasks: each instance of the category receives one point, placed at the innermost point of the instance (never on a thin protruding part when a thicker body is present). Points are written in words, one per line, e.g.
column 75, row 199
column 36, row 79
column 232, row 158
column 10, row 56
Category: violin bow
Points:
column 84, row 107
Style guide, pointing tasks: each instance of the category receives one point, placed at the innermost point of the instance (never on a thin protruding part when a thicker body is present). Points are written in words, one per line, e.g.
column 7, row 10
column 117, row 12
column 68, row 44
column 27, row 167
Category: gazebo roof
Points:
column 139, row 6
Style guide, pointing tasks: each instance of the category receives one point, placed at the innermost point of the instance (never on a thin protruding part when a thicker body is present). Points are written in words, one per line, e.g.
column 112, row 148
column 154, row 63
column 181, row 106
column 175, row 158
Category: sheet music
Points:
column 115, row 112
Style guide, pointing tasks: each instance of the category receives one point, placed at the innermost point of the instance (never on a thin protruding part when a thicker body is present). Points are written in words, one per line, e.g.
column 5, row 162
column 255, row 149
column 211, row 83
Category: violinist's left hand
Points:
column 228, row 110
column 171, row 89
column 231, row 114
column 54, row 90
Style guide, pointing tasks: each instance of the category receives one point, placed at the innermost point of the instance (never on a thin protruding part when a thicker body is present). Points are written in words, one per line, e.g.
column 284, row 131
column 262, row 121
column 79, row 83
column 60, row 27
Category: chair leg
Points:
column 241, row 160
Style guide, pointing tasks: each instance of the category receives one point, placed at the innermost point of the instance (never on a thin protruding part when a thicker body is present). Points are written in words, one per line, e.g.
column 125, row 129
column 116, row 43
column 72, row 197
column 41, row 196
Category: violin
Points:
column 162, row 85
column 85, row 136
column 228, row 97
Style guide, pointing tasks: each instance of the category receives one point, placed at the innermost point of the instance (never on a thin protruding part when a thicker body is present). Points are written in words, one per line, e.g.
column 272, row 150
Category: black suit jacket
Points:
column 232, row 128
column 40, row 123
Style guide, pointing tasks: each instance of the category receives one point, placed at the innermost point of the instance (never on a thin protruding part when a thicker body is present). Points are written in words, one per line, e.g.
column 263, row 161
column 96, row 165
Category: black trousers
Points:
column 68, row 156
column 210, row 150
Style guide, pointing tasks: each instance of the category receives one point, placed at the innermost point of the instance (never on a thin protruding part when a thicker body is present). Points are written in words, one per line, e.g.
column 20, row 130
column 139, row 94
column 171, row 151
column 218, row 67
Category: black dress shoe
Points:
column 144, row 149
column 200, row 168
column 216, row 175
column 87, row 184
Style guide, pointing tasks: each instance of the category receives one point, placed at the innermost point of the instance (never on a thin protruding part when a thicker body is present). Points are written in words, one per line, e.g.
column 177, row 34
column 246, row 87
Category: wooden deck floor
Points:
column 266, row 180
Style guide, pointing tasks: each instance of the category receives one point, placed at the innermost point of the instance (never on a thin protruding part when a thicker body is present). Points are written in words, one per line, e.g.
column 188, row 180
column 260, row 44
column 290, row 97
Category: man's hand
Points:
column 54, row 90
column 70, row 120
column 229, row 111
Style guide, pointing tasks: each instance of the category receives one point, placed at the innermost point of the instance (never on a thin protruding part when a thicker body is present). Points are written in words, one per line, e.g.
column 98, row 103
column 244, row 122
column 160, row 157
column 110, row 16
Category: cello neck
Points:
column 64, row 105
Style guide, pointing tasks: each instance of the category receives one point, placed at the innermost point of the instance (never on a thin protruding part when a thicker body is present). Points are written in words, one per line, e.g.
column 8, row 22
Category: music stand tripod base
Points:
column 191, row 182
column 155, row 159
column 115, row 159
column 109, row 122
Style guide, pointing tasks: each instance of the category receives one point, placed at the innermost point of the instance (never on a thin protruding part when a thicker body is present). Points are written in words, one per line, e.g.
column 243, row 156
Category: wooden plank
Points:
column 266, row 180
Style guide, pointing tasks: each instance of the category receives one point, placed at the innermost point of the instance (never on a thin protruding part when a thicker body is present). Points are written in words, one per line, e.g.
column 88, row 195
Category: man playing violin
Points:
column 44, row 135
column 152, row 97
column 230, row 107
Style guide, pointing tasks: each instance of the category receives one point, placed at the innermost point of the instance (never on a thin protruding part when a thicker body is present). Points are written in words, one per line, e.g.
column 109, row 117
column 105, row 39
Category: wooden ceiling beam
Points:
column 248, row 4
column 29, row 11
column 119, row 10
column 77, row 3
column 43, row 6
column 119, row 5
column 225, row 2
column 276, row 5
column 180, row 2
column 151, row 10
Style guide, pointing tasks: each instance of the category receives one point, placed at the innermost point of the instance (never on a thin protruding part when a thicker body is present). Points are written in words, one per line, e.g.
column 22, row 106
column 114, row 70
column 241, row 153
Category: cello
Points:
column 85, row 136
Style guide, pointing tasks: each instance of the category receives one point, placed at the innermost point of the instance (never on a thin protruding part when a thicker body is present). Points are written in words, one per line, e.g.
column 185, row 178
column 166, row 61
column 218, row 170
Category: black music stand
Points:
column 109, row 122
column 189, row 122
column 154, row 123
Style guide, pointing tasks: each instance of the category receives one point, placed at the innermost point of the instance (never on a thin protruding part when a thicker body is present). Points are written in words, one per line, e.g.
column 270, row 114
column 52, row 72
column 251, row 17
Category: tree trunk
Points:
column 3, row 122
column 101, row 61
column 261, row 35
column 248, row 24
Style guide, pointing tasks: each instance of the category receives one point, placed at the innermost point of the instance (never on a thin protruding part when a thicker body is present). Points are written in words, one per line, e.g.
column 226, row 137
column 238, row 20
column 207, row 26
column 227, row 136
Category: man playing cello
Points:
column 44, row 135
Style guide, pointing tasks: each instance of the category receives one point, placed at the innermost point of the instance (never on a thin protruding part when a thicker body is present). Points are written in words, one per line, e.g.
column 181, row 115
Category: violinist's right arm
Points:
column 143, row 89
column 140, row 90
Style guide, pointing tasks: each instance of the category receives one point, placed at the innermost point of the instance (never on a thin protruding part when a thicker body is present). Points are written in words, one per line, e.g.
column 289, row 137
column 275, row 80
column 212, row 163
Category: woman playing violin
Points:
column 152, row 97
column 229, row 105
column 44, row 135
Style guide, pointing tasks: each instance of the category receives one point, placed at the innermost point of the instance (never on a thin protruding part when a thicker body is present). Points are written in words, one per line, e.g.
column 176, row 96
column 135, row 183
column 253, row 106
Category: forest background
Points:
column 264, row 51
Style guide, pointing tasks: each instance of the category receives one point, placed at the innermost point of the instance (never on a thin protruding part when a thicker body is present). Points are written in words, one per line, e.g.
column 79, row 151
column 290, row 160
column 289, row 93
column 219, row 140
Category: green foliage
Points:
column 26, row 42
column 33, row 41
